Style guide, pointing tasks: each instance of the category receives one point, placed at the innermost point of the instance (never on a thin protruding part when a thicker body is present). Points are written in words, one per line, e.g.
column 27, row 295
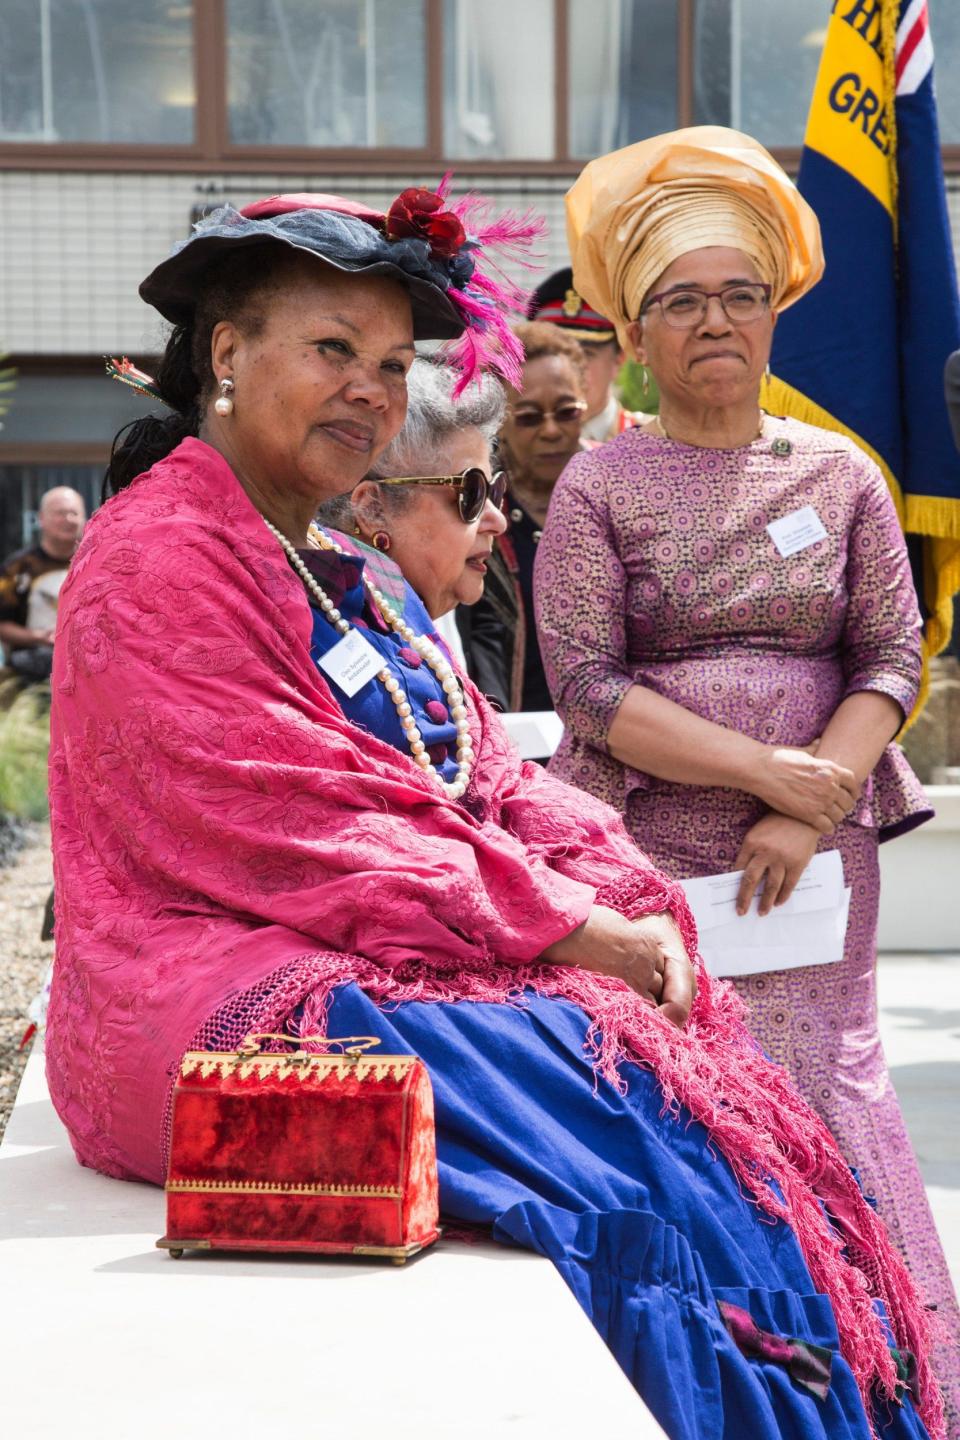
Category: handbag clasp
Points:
column 352, row 1047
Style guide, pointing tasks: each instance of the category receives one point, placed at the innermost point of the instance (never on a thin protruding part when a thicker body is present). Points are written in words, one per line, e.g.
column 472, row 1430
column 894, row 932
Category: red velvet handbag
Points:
column 331, row 1153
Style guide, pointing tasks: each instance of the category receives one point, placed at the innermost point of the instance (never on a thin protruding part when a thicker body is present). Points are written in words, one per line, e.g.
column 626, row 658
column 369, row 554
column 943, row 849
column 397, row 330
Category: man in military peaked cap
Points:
column 557, row 302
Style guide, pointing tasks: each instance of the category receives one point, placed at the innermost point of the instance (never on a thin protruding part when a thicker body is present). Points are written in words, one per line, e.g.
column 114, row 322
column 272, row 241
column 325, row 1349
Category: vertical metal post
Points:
column 561, row 118
column 370, row 70
column 736, row 77
column 433, row 13
column 685, row 34
column 46, row 70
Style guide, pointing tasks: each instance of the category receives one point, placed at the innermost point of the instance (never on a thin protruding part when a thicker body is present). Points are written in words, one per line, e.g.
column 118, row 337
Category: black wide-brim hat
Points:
column 345, row 236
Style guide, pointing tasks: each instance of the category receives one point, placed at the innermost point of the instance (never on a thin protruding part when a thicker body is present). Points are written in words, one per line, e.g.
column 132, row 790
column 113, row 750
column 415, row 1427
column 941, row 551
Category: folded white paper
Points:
column 808, row 930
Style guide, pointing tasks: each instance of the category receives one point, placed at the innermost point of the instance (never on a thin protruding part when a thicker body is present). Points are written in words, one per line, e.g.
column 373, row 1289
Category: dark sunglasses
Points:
column 563, row 414
column 474, row 488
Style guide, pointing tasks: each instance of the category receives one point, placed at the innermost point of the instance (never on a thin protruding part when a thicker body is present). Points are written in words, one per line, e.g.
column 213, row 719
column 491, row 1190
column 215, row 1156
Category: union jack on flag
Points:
column 914, row 48
column 865, row 351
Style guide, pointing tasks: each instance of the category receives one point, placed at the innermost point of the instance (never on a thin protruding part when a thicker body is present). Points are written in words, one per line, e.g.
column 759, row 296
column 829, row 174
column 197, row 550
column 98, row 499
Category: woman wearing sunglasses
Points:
column 540, row 434
column 432, row 501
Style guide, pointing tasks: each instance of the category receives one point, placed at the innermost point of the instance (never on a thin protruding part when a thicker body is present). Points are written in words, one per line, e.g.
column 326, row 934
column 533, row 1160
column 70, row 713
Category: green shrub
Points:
column 630, row 388
column 24, row 746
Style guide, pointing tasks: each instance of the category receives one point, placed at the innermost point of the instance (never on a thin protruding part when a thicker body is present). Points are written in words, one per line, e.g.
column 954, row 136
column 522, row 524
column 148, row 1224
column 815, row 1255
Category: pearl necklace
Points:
column 421, row 645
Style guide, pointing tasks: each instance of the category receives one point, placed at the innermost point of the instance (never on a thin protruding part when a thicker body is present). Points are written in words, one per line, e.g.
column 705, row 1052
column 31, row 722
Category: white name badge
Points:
column 351, row 663
column 796, row 531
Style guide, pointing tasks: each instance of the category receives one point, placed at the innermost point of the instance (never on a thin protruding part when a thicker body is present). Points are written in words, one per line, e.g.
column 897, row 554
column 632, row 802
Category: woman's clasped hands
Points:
column 801, row 784
column 647, row 953
column 809, row 796
column 775, row 852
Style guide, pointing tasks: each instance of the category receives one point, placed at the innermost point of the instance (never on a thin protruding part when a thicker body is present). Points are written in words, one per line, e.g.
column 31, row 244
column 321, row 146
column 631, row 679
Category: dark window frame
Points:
column 64, row 366
column 38, row 455
column 212, row 149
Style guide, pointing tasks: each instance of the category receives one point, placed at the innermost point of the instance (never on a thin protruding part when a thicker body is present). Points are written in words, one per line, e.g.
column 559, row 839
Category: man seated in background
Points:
column 30, row 584
column 557, row 303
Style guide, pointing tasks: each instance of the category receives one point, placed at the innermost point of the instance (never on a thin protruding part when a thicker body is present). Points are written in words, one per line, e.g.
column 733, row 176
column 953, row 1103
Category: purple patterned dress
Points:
column 656, row 568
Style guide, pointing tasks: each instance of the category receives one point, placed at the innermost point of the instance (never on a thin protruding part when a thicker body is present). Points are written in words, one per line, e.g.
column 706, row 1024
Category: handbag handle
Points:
column 352, row 1046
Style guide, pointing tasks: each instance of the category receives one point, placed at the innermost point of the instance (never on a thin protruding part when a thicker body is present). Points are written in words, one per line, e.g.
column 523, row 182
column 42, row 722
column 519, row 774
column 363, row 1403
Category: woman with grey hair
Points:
column 432, row 502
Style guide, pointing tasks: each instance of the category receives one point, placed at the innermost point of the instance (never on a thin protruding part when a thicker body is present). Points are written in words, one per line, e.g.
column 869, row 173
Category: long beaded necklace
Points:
column 421, row 644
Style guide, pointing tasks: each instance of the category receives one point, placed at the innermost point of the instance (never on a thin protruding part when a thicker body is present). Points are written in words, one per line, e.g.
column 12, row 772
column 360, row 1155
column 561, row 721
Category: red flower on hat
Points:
column 419, row 214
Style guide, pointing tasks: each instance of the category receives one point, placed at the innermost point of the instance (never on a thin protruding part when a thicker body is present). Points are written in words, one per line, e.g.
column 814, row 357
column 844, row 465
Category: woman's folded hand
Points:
column 775, row 852
column 797, row 783
column 648, row 953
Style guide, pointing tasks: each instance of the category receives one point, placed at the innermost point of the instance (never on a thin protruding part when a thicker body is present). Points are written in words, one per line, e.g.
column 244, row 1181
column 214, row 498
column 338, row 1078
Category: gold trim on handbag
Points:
column 248, row 1059
column 267, row 1187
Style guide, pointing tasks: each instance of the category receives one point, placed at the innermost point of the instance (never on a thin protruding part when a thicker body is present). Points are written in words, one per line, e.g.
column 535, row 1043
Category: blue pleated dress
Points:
column 644, row 1219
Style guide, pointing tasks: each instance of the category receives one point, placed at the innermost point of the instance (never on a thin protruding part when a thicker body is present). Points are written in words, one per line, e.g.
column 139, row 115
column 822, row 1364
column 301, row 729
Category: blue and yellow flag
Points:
column 864, row 352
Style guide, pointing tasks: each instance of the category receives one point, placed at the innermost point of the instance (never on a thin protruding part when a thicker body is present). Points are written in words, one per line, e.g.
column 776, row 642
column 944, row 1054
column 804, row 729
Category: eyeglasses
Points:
column 684, row 309
column 474, row 486
column 563, row 414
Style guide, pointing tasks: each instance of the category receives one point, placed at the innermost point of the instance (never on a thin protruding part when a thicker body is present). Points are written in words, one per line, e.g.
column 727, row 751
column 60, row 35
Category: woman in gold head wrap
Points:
column 727, row 616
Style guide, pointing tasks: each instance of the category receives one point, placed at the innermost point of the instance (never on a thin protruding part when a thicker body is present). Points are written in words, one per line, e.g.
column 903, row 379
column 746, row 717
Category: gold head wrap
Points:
column 630, row 214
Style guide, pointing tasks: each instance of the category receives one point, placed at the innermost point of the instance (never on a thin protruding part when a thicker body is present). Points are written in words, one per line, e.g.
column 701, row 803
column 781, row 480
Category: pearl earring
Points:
column 224, row 404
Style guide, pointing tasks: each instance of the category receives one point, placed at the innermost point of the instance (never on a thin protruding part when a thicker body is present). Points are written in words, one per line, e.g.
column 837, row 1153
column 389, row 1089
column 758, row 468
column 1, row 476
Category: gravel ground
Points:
column 24, row 957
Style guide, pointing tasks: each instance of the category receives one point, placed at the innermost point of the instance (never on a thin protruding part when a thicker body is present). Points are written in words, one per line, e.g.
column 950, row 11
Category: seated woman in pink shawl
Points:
column 245, row 839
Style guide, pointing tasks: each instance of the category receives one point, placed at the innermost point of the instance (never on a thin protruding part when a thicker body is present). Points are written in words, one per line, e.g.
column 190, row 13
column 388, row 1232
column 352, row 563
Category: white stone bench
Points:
column 102, row 1335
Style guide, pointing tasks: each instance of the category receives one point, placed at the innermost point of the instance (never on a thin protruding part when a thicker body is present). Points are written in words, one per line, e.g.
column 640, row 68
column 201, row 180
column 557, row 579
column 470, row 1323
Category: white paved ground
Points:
column 920, row 1024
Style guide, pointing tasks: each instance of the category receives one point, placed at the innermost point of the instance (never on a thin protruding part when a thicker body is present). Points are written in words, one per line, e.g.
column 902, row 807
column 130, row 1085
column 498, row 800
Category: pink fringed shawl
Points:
column 227, row 845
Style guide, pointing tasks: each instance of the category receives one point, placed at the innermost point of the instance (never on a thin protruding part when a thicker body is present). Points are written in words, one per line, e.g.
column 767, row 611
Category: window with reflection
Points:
column 499, row 79
column 622, row 73
column 355, row 75
column 336, row 74
column 755, row 65
column 116, row 72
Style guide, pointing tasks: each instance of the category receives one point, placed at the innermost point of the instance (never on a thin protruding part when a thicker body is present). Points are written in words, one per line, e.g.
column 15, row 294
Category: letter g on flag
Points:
column 848, row 113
